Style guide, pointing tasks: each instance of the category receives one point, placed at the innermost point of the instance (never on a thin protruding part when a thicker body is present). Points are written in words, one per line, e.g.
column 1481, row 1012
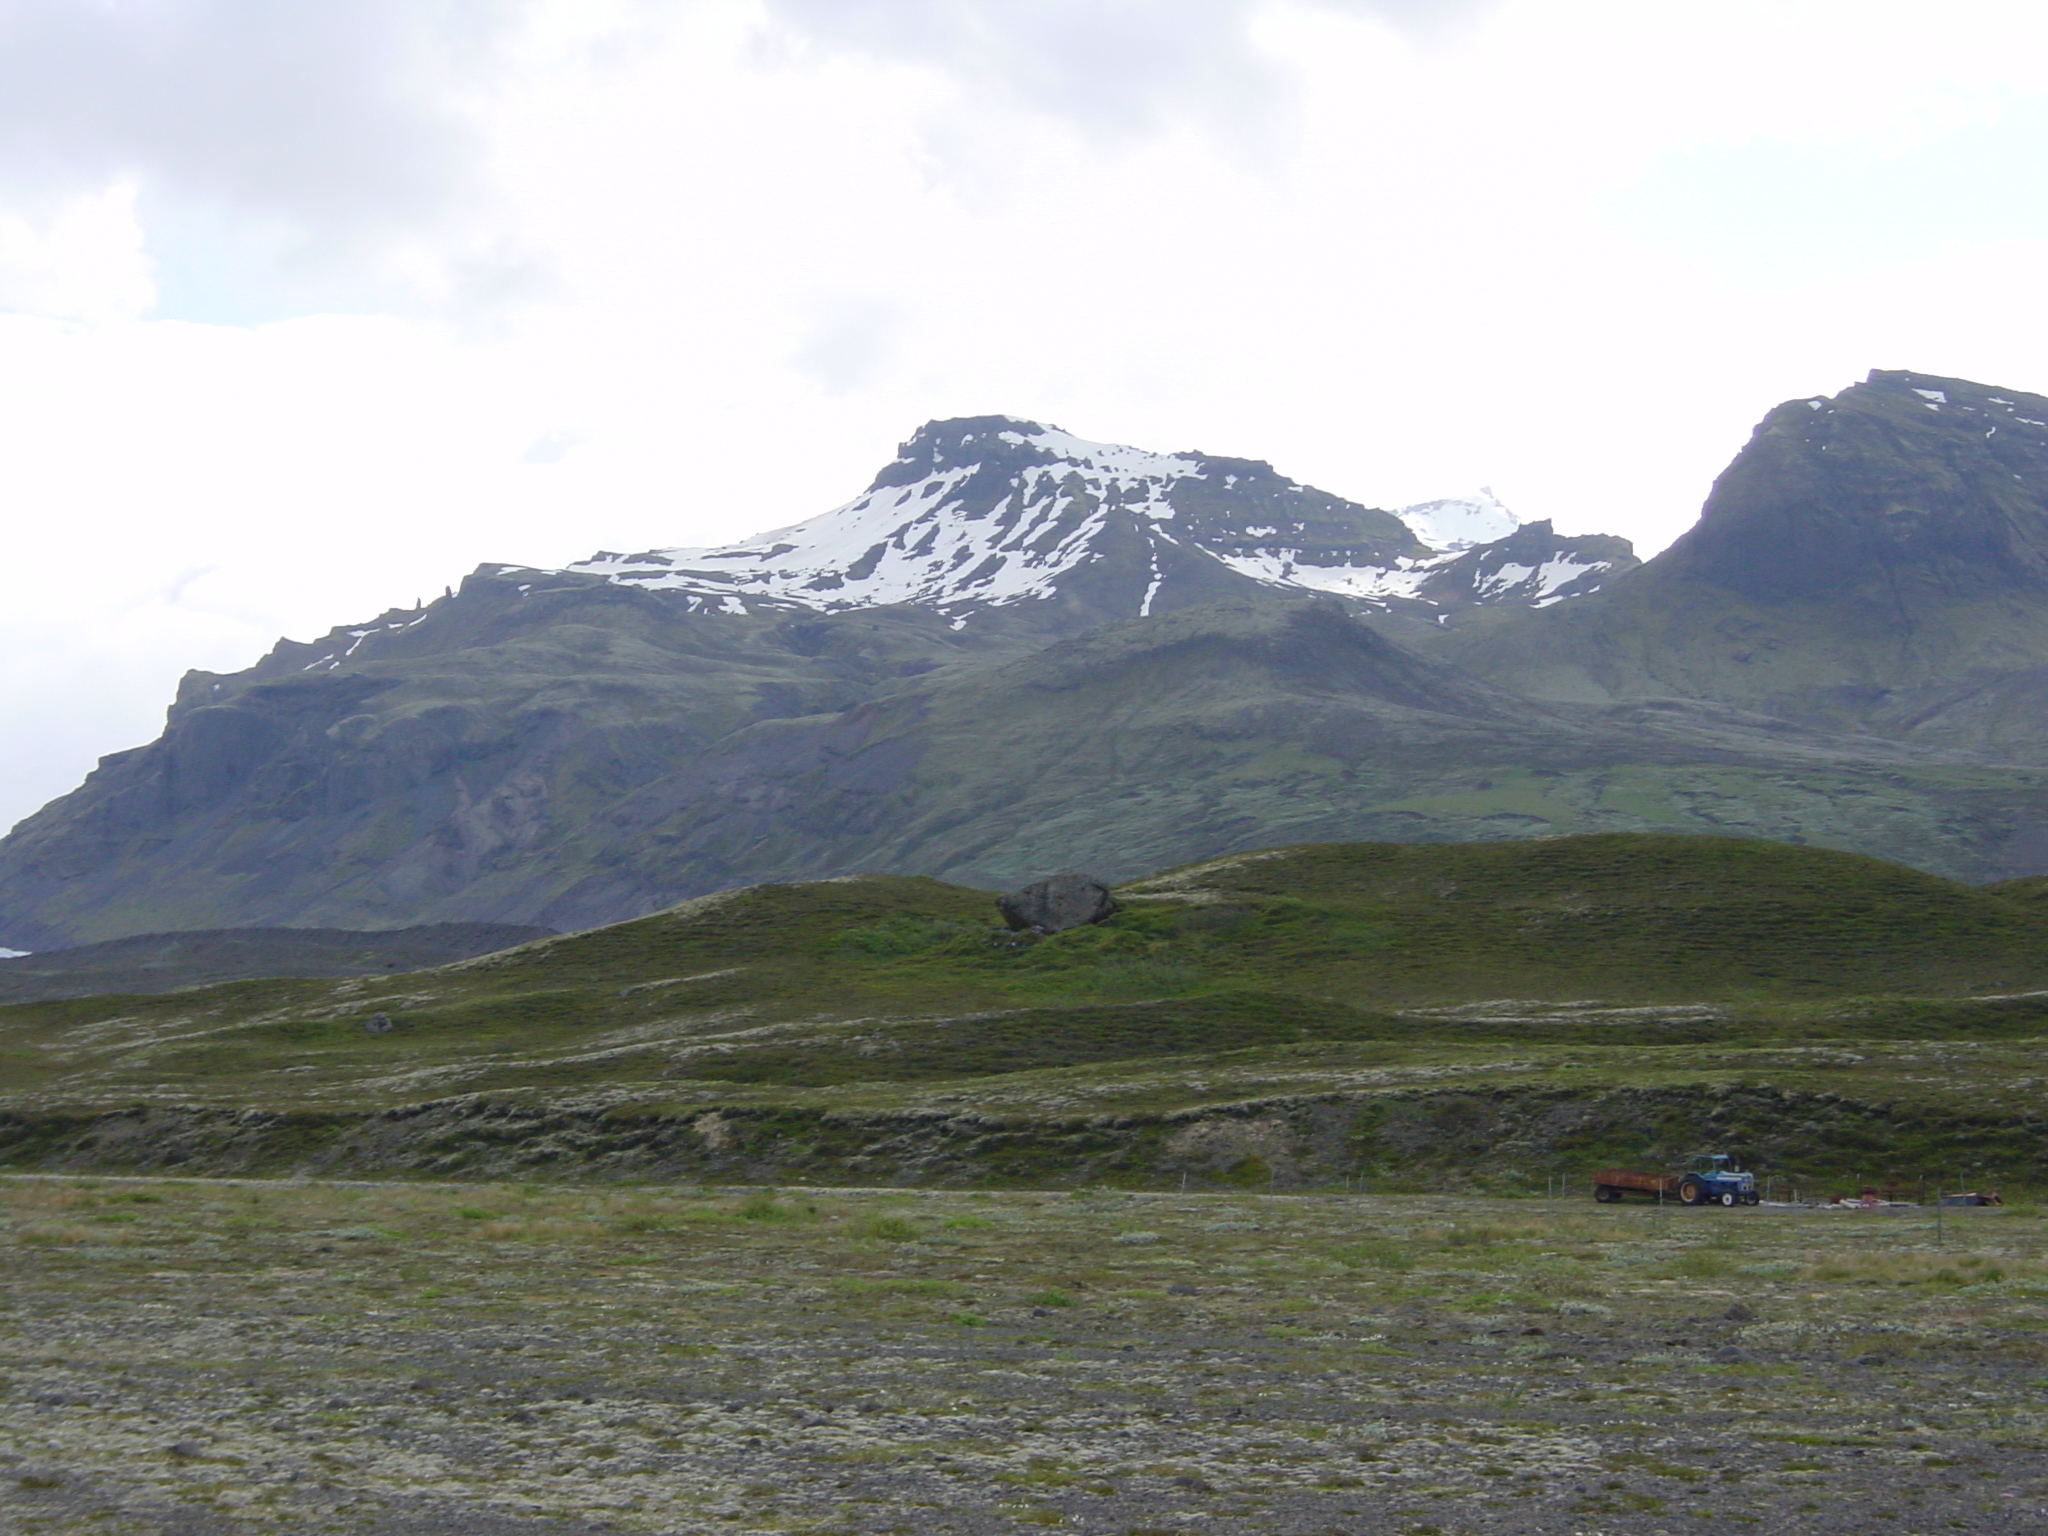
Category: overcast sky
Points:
column 307, row 308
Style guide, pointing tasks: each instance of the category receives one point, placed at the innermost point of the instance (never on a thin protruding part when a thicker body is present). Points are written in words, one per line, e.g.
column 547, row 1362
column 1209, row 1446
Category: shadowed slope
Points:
column 165, row 962
column 1235, row 725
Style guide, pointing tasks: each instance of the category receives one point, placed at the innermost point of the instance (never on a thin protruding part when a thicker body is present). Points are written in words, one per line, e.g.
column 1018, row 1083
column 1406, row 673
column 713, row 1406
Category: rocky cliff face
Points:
column 1533, row 567
column 1018, row 651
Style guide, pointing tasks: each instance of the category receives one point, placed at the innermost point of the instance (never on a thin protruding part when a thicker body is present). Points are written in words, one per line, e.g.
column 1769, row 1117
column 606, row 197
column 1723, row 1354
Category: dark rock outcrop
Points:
column 1057, row 903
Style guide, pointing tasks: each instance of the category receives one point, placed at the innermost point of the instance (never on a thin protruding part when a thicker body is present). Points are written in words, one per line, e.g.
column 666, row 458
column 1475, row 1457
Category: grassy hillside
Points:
column 1617, row 916
column 903, row 979
column 1237, row 726
column 1435, row 1014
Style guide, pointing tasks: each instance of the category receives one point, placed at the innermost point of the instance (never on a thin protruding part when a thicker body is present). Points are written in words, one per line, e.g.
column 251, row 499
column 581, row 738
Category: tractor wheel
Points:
column 1730, row 1200
column 1604, row 1193
column 1752, row 1198
column 1692, row 1192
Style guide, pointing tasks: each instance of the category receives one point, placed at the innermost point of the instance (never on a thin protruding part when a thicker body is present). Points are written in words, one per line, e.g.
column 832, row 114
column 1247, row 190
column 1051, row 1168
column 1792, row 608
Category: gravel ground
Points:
column 194, row 1356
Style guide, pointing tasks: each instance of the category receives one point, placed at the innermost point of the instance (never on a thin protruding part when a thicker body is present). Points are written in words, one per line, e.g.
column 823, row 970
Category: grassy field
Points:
column 235, row 1357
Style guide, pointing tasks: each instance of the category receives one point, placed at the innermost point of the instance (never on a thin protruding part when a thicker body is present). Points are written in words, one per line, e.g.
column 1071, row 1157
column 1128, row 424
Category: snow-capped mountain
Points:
column 991, row 511
column 1457, row 523
column 566, row 748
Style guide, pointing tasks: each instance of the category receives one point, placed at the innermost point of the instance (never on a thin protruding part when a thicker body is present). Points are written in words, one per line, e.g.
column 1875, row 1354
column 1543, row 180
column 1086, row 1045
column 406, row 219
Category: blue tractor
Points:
column 1716, row 1179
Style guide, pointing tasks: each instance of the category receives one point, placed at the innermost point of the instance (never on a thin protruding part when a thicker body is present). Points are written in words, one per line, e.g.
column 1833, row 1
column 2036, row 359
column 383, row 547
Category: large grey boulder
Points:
column 1057, row 903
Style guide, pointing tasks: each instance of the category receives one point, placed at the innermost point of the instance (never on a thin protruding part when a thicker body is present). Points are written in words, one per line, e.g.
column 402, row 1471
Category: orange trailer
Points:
column 1613, row 1183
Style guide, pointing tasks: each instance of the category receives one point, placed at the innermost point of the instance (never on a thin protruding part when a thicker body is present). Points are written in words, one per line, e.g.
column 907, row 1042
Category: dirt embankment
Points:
column 1442, row 1139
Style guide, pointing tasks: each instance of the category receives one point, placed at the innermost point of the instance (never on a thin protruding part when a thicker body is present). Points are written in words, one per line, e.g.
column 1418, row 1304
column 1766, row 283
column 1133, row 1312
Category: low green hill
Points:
column 890, row 978
column 1434, row 1013
column 1618, row 916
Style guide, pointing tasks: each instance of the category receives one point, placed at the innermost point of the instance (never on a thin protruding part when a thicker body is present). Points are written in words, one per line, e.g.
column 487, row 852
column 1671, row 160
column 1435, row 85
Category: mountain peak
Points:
column 1904, row 481
column 1458, row 523
column 960, row 442
column 977, row 513
column 1875, row 560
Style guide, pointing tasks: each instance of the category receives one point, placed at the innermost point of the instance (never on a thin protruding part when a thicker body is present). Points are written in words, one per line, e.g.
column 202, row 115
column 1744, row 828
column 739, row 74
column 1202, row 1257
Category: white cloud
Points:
column 1115, row 67
column 84, row 260
column 848, row 339
column 329, row 114
column 320, row 133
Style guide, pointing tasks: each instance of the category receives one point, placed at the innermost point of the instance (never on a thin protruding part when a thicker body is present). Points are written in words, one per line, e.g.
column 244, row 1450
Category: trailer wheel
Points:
column 1604, row 1193
column 1692, row 1192
column 1729, row 1199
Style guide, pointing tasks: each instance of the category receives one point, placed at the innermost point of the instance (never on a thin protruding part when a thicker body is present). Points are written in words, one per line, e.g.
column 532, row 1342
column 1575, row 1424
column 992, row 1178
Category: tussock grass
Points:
column 44, row 1236
column 863, row 1286
column 763, row 1205
column 1375, row 1253
column 885, row 1229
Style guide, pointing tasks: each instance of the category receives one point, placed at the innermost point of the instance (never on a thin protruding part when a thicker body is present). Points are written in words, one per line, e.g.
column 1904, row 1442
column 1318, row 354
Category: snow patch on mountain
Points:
column 934, row 540
column 1128, row 466
column 1284, row 569
column 990, row 511
column 1457, row 523
column 1537, row 585
column 907, row 544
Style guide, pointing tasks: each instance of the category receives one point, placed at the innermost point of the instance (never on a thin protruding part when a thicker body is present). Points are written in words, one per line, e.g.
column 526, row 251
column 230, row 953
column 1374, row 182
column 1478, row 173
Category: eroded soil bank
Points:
column 1504, row 1138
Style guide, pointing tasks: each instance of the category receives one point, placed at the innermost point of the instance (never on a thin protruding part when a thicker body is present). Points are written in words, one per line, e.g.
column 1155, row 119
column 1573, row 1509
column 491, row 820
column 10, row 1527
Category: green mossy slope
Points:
column 1627, row 916
column 1661, row 941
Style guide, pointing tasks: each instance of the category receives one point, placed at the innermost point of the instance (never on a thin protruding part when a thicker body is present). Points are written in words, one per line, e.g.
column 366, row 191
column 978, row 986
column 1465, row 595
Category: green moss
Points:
column 886, row 1229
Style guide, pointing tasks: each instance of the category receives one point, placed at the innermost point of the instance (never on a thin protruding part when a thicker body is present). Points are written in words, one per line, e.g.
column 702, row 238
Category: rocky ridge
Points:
column 992, row 511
